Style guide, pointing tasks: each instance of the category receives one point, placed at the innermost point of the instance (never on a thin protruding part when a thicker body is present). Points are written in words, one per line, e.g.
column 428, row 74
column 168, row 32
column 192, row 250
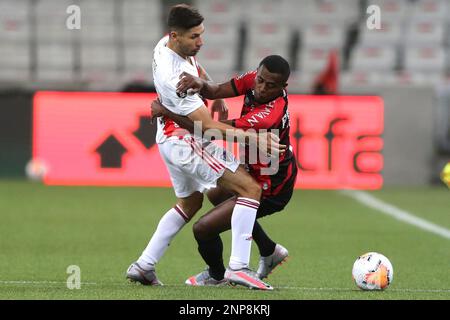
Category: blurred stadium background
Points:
column 406, row 62
column 331, row 52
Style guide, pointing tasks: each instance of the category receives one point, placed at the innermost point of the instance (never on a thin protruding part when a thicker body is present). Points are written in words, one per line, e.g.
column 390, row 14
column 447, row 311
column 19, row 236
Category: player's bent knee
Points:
column 200, row 230
column 217, row 196
column 193, row 210
column 253, row 190
column 197, row 206
column 192, row 205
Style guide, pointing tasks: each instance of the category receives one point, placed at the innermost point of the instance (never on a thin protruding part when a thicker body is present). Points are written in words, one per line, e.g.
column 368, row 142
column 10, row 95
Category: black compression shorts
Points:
column 272, row 204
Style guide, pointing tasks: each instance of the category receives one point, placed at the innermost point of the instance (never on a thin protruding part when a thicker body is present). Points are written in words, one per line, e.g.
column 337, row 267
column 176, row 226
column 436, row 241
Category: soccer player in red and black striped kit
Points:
column 265, row 107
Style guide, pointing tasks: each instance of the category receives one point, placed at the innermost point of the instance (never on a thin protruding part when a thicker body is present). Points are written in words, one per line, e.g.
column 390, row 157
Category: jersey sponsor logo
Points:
column 261, row 115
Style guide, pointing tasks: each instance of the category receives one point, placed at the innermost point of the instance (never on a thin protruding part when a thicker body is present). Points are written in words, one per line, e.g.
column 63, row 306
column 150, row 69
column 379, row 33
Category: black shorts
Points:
column 272, row 204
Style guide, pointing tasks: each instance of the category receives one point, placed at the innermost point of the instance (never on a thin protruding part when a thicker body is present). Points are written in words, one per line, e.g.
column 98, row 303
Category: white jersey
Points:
column 167, row 67
column 194, row 164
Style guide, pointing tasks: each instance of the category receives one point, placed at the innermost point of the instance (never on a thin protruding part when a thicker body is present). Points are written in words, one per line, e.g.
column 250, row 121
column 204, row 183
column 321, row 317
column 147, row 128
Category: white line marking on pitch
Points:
column 356, row 289
column 40, row 282
column 120, row 284
column 399, row 214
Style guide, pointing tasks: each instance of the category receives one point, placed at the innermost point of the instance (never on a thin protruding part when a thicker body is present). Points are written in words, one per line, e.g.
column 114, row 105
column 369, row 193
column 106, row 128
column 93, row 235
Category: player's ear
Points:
column 173, row 34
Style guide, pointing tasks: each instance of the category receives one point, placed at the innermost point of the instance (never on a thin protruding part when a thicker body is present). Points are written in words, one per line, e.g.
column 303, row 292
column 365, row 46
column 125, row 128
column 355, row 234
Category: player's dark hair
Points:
column 184, row 17
column 277, row 64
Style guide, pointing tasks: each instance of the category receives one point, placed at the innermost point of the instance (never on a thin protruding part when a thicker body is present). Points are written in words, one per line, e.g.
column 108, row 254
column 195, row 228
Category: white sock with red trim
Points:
column 169, row 225
column 242, row 221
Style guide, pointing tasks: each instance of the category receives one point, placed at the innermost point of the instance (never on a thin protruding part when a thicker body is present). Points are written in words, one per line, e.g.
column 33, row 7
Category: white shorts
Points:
column 195, row 166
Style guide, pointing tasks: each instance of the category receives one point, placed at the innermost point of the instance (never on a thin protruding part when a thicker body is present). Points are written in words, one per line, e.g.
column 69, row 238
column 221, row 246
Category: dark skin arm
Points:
column 207, row 89
column 158, row 110
column 267, row 141
column 188, row 124
column 184, row 122
column 218, row 105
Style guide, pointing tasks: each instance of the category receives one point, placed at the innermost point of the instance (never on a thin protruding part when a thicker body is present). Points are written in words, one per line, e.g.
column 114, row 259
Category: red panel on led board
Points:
column 93, row 138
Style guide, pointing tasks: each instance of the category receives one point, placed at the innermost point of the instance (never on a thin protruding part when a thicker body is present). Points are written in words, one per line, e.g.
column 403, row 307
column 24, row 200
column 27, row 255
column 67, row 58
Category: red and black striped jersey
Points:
column 272, row 115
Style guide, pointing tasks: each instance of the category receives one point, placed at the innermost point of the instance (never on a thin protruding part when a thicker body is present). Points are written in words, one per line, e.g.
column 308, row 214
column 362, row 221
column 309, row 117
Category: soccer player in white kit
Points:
column 194, row 164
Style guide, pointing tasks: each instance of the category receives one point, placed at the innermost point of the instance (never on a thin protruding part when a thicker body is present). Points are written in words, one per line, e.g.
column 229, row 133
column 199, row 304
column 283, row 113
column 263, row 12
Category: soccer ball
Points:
column 372, row 271
column 36, row 170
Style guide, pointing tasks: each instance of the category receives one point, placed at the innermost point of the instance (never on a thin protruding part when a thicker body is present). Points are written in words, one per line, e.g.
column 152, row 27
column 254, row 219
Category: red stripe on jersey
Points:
column 200, row 155
column 206, row 155
column 197, row 66
column 169, row 127
column 213, row 163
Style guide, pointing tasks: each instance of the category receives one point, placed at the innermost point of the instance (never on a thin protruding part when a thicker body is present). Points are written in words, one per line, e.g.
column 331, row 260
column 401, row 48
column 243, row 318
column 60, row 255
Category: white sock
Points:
column 242, row 221
column 168, row 227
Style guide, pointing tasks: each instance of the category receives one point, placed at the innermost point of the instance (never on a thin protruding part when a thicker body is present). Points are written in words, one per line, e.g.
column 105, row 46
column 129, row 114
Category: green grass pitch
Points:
column 44, row 230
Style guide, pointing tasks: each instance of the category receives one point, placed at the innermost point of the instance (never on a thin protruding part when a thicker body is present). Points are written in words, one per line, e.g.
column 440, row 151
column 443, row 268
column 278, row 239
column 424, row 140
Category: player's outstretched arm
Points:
column 207, row 89
column 267, row 142
column 187, row 122
column 159, row 110
column 218, row 106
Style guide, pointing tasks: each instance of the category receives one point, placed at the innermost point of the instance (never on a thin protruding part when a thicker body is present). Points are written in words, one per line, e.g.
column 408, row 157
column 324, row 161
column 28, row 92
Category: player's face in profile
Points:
column 268, row 86
column 191, row 41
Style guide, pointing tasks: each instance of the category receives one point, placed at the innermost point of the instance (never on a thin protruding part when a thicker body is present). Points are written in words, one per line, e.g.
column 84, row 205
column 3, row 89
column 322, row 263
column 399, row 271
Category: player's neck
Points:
column 172, row 47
